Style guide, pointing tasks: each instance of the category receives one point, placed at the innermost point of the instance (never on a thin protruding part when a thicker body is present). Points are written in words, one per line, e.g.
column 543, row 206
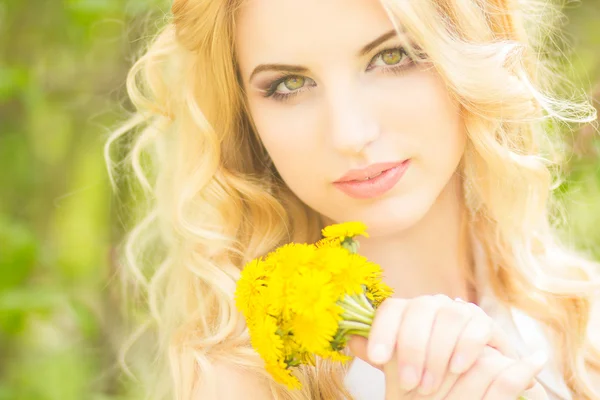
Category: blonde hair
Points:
column 217, row 200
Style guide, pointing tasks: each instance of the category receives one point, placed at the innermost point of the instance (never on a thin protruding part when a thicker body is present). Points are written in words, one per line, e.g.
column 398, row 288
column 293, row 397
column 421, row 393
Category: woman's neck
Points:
column 431, row 257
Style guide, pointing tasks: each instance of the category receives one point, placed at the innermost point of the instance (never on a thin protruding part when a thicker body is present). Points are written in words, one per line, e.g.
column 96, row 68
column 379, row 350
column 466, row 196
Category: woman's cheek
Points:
column 292, row 141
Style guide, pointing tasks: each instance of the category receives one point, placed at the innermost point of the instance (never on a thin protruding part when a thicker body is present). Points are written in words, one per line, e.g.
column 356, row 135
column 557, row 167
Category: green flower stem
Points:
column 357, row 315
column 355, row 328
column 357, row 307
column 360, row 302
column 349, row 315
column 362, row 299
column 363, row 332
column 352, row 305
column 353, row 302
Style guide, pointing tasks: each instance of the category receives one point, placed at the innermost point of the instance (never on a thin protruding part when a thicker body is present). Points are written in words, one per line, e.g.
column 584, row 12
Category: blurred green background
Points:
column 62, row 72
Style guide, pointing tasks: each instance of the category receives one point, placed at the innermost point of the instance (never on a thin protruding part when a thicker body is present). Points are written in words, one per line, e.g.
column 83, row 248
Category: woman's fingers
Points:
column 497, row 377
column 384, row 330
column 431, row 342
column 480, row 331
column 474, row 383
column 450, row 321
column 393, row 391
column 358, row 347
column 414, row 338
column 380, row 346
column 517, row 378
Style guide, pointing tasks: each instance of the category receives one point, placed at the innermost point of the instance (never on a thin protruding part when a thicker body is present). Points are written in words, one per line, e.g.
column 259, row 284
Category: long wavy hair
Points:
column 216, row 200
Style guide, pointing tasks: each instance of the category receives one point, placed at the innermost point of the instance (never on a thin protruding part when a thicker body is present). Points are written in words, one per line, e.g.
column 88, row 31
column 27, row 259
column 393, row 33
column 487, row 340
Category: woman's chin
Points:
column 389, row 217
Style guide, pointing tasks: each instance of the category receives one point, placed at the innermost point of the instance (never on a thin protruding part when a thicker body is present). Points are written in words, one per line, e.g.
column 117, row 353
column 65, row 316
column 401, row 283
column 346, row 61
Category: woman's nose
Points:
column 352, row 124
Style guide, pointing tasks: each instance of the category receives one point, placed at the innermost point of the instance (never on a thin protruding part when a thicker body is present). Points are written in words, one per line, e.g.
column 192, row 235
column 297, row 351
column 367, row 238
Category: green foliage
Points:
column 62, row 71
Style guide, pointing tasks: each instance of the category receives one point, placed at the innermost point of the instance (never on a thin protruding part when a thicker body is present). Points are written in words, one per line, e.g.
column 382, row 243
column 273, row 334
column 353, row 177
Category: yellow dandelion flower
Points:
column 366, row 269
column 315, row 331
column 285, row 262
column 335, row 260
column 311, row 292
column 352, row 272
column 291, row 349
column 308, row 358
column 274, row 293
column 289, row 257
column 344, row 230
column 377, row 291
column 257, row 310
column 329, row 242
column 355, row 275
column 335, row 356
column 332, row 259
column 283, row 375
column 250, row 285
column 265, row 340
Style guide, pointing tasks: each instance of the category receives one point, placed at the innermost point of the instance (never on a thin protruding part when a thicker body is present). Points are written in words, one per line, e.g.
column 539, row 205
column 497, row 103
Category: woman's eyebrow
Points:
column 278, row 67
column 369, row 47
column 298, row 69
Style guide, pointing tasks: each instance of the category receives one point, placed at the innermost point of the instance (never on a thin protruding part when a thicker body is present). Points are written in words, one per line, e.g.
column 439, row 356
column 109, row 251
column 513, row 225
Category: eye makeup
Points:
column 271, row 90
column 391, row 60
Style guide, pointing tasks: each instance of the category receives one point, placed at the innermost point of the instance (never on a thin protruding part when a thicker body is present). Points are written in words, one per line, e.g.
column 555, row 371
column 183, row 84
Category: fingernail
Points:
column 378, row 354
column 539, row 358
column 427, row 383
column 408, row 378
column 457, row 364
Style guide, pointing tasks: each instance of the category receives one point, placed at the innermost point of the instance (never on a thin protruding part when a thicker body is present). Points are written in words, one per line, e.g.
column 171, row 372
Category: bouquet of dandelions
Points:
column 305, row 300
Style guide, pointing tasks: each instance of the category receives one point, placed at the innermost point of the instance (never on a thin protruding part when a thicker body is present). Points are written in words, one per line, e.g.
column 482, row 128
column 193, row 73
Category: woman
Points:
column 426, row 120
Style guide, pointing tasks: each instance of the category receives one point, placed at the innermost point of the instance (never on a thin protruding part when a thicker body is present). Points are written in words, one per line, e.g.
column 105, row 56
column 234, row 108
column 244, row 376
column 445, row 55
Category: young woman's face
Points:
column 330, row 90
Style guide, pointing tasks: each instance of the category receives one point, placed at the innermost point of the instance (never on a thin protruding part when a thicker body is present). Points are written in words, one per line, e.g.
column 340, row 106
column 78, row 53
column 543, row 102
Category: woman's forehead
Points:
column 293, row 29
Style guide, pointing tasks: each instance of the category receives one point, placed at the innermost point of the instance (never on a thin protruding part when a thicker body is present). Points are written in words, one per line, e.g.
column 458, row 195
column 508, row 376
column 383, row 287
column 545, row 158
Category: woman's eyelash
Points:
column 284, row 96
column 402, row 64
column 273, row 86
column 271, row 90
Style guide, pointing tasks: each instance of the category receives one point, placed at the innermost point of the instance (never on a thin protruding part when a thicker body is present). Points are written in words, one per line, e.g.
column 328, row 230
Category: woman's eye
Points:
column 293, row 82
column 389, row 58
column 289, row 85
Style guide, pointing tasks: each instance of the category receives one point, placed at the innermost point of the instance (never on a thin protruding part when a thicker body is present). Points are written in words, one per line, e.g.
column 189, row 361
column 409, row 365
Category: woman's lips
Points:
column 374, row 187
column 369, row 172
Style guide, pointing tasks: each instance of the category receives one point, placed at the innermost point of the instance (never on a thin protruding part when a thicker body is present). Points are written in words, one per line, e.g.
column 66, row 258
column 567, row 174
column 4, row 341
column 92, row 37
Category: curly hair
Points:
column 216, row 201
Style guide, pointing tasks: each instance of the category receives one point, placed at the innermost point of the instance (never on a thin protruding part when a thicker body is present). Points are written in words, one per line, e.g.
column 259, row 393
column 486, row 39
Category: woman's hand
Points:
column 429, row 341
column 492, row 377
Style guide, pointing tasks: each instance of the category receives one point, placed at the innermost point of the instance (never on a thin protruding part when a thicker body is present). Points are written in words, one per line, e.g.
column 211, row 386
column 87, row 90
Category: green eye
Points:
column 391, row 57
column 293, row 82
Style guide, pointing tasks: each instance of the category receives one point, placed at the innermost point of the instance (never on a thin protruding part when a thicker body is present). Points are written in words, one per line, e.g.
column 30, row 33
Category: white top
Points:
column 365, row 382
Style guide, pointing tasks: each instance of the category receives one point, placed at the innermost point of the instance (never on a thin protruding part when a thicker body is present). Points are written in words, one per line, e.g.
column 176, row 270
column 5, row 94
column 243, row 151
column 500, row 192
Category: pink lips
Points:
column 355, row 183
